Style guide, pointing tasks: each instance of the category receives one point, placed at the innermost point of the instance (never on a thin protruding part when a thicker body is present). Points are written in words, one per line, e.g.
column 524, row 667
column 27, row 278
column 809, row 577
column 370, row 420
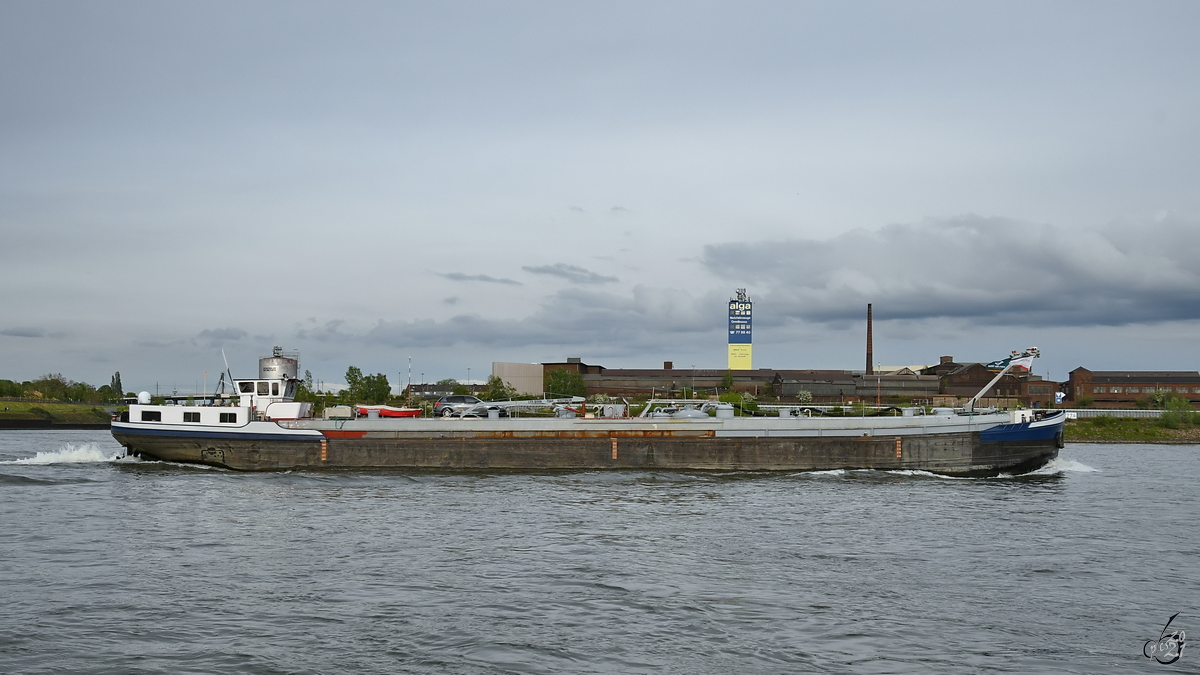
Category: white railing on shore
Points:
column 1113, row 412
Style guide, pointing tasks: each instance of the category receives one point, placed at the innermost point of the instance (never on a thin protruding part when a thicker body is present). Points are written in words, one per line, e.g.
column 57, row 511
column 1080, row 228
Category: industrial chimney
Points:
column 870, row 348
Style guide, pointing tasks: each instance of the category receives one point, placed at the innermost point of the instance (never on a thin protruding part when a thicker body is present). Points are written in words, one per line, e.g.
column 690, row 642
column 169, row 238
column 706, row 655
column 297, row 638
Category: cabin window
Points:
column 151, row 416
column 228, row 418
column 274, row 388
column 191, row 417
column 263, row 388
column 246, row 387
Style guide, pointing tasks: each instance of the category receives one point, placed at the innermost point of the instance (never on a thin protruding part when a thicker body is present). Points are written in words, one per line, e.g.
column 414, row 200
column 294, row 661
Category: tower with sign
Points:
column 740, row 309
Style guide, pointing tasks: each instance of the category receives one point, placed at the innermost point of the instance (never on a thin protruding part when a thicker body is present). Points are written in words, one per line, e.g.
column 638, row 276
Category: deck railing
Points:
column 1113, row 412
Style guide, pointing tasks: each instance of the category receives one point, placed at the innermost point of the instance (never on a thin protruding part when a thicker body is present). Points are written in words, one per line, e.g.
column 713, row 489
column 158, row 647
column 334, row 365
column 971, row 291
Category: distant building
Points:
column 526, row 378
column 914, row 384
column 1130, row 388
column 434, row 390
column 903, row 384
column 428, row 390
column 665, row 381
column 575, row 364
column 964, row 380
column 826, row 386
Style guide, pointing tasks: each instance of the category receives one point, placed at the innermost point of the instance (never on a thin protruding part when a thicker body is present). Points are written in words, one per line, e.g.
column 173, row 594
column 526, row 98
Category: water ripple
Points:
column 150, row 568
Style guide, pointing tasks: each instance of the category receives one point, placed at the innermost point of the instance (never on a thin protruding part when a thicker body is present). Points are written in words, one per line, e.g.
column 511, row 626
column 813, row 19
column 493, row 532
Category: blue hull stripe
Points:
column 1021, row 432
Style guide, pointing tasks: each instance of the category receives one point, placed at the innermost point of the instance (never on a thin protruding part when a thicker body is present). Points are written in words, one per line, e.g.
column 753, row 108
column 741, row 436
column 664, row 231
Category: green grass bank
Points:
column 1131, row 430
column 36, row 414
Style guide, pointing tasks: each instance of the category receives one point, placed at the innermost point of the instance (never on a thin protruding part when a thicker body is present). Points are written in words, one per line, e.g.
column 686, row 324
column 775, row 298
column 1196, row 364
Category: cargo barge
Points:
column 266, row 430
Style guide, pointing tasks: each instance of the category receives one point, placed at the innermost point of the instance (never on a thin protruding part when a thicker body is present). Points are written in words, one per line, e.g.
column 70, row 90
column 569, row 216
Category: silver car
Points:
column 464, row 406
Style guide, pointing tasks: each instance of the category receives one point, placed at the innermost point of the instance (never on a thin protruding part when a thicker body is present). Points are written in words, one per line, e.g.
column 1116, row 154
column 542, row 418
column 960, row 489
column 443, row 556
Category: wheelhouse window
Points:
column 246, row 387
column 228, row 418
column 151, row 416
column 191, row 417
column 264, row 388
column 274, row 388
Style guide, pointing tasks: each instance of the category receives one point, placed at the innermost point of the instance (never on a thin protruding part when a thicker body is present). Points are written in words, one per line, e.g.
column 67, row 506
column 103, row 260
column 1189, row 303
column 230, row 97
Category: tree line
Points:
column 56, row 387
column 376, row 390
column 360, row 388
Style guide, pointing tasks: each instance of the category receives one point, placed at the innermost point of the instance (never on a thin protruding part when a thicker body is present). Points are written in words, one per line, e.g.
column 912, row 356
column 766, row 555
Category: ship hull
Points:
column 954, row 449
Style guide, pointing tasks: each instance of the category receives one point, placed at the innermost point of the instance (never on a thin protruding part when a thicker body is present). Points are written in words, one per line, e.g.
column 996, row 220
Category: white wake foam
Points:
column 930, row 474
column 70, row 453
column 1062, row 465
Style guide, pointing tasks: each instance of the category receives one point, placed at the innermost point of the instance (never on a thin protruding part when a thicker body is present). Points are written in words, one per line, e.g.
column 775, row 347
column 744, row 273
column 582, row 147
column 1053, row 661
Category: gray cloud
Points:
column 368, row 146
column 218, row 337
column 573, row 274
column 648, row 317
column 22, row 331
column 328, row 331
column 459, row 276
column 223, row 334
column 991, row 270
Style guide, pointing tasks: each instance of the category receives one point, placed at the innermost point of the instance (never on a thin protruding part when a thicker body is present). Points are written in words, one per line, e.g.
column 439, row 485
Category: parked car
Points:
column 464, row 406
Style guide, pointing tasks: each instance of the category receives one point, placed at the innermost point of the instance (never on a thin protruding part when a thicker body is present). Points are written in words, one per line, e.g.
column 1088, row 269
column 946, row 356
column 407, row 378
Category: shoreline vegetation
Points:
column 1132, row 430
column 51, row 415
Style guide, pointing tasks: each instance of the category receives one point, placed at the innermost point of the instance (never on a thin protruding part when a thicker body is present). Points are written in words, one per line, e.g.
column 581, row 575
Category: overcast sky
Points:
column 463, row 183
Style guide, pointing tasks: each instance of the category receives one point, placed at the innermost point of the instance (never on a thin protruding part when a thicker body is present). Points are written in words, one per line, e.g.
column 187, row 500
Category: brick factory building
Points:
column 1130, row 388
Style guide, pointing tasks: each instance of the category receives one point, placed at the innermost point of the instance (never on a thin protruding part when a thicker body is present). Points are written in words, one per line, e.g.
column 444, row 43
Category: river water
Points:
column 124, row 566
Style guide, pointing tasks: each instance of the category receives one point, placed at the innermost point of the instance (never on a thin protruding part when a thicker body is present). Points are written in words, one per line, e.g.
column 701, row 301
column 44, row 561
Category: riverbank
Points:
column 49, row 415
column 1129, row 430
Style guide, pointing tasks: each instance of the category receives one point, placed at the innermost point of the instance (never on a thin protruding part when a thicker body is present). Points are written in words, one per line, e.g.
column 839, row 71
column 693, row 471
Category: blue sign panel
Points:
column 739, row 322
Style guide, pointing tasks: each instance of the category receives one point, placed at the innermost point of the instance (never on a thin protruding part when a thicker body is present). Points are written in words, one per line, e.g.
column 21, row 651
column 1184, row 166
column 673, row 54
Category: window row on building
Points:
column 1144, row 390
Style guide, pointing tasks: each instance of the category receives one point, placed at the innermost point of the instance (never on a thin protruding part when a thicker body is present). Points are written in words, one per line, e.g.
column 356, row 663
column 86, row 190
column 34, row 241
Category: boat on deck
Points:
column 271, row 432
column 387, row 411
